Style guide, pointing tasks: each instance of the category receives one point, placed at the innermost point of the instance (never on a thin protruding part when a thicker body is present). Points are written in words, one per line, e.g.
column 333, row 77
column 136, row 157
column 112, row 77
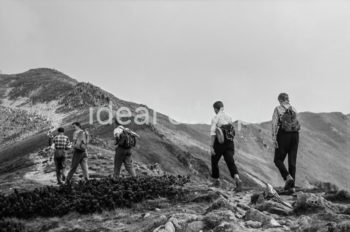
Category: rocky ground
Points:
column 203, row 208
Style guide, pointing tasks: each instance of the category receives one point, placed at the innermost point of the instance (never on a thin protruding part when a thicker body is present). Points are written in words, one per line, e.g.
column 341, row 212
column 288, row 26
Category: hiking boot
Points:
column 239, row 184
column 289, row 183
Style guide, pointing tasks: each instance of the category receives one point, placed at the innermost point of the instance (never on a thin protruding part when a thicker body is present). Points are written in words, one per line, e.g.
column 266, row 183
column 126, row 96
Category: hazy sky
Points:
column 178, row 57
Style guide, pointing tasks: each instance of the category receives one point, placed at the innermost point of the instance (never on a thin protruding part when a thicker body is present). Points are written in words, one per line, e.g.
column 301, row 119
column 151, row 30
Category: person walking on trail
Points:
column 61, row 143
column 125, row 141
column 285, row 135
column 222, row 134
column 80, row 142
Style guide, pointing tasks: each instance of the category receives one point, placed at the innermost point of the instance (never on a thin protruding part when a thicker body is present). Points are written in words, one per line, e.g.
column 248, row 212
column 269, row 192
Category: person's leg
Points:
column 281, row 153
column 63, row 170
column 85, row 168
column 215, row 173
column 230, row 162
column 57, row 167
column 118, row 161
column 74, row 166
column 292, row 156
column 128, row 164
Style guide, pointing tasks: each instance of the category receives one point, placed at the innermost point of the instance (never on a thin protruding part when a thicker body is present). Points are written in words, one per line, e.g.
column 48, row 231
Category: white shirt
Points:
column 220, row 119
column 117, row 131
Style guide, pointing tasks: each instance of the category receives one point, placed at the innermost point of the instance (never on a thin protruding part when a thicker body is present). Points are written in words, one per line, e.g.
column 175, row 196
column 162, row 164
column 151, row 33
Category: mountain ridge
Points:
column 184, row 148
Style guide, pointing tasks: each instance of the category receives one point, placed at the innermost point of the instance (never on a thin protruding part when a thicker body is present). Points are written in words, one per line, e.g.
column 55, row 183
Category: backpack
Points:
column 289, row 121
column 126, row 139
column 225, row 133
column 82, row 141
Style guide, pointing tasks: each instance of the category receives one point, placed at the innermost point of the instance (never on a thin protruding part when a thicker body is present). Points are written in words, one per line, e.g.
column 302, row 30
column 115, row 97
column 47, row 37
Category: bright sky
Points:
column 178, row 57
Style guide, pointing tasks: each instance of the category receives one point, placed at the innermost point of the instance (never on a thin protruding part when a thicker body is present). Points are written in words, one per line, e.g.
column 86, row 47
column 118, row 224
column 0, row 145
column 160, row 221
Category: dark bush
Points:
column 92, row 196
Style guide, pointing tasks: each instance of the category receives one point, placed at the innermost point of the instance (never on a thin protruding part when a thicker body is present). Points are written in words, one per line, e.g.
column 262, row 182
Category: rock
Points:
column 340, row 196
column 274, row 208
column 221, row 203
column 307, row 202
column 175, row 223
column 168, row 227
column 195, row 226
column 327, row 187
column 184, row 218
column 302, row 223
column 255, row 215
column 215, row 217
column 208, row 197
column 253, row 224
column 146, row 215
column 243, row 206
column 227, row 227
column 343, row 227
column 257, row 198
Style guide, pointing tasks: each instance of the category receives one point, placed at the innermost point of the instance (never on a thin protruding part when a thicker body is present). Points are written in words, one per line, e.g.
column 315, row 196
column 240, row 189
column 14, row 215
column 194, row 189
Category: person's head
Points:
column 60, row 130
column 218, row 106
column 76, row 125
column 283, row 97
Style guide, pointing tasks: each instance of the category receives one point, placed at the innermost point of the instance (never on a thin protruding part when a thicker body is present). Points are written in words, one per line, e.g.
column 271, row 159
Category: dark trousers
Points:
column 227, row 150
column 60, row 164
column 79, row 158
column 123, row 156
column 287, row 145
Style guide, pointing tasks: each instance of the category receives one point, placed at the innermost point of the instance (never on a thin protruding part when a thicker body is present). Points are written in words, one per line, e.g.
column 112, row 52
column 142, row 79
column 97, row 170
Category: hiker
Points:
column 61, row 143
column 125, row 140
column 222, row 134
column 80, row 141
column 285, row 135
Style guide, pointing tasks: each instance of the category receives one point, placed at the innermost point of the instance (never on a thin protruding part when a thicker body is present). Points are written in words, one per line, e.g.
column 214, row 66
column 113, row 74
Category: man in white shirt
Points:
column 227, row 148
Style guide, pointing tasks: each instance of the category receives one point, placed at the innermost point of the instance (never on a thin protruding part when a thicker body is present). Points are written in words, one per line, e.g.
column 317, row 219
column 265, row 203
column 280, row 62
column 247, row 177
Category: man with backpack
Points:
column 222, row 134
column 81, row 140
column 285, row 134
column 125, row 141
column 61, row 143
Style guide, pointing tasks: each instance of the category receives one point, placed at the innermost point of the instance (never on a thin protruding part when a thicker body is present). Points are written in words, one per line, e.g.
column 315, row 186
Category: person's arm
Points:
column 68, row 144
column 212, row 135
column 135, row 134
column 275, row 120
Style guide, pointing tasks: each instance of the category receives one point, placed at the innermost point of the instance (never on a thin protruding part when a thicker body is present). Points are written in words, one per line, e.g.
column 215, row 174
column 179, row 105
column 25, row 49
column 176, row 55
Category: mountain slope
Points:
column 179, row 149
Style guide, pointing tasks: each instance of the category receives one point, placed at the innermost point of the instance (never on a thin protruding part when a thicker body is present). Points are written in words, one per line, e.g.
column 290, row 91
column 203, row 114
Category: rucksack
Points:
column 127, row 140
column 289, row 121
column 82, row 141
column 225, row 133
